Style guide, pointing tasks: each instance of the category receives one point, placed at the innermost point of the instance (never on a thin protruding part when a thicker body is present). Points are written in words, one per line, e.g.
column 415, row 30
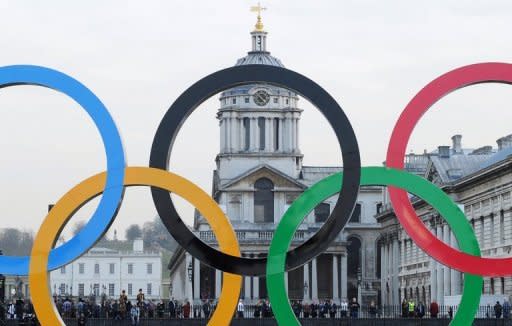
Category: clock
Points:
column 261, row 97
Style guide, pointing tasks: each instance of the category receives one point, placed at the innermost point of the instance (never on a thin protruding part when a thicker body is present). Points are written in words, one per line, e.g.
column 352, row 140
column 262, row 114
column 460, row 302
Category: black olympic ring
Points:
column 221, row 80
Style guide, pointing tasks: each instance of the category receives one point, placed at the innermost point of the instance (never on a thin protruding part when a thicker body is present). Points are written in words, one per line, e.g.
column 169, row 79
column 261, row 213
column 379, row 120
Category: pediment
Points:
column 246, row 180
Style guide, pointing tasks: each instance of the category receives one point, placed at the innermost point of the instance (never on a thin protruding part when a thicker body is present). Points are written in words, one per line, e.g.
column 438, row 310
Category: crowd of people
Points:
column 83, row 309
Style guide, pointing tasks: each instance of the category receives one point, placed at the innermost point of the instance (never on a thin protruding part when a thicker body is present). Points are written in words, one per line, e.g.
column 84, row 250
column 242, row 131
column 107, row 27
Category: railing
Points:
column 209, row 236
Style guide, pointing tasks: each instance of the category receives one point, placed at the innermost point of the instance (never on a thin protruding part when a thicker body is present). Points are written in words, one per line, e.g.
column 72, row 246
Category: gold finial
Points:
column 258, row 9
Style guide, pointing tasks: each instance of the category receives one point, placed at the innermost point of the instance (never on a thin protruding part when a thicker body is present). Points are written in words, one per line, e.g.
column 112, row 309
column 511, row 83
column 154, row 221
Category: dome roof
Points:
column 261, row 58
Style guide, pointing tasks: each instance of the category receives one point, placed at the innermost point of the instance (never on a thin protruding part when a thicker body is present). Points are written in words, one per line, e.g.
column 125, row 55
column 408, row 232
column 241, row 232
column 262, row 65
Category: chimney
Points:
column 504, row 142
column 444, row 151
column 457, row 144
column 138, row 245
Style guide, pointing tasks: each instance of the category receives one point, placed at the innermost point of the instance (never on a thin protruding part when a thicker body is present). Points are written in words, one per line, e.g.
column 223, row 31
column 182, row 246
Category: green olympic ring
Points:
column 382, row 176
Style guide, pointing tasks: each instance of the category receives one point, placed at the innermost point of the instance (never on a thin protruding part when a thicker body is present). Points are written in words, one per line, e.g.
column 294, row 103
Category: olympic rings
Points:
column 369, row 176
column 435, row 90
column 135, row 176
column 113, row 192
column 250, row 74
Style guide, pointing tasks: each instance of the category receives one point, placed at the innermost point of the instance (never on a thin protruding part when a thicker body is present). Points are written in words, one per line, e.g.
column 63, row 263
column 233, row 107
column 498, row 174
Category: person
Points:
column 497, row 310
column 240, row 309
column 434, row 309
column 506, row 309
column 450, row 312
column 140, row 302
column 354, row 308
column 257, row 309
column 82, row 320
column 297, row 308
column 160, row 308
column 306, row 308
column 405, row 308
column 135, row 314
column 314, row 309
column 123, row 299
column 206, row 309
column 332, row 311
column 344, row 308
column 11, row 310
column 66, row 308
column 186, row 309
column 266, row 309
column 321, row 310
column 420, row 310
column 172, row 308
column 411, row 306
column 372, row 310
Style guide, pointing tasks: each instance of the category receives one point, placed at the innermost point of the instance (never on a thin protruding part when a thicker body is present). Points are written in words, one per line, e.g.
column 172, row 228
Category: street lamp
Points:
column 305, row 288
column 190, row 270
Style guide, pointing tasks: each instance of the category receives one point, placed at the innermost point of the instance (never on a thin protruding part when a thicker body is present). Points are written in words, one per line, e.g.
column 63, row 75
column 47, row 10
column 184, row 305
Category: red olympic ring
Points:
column 413, row 225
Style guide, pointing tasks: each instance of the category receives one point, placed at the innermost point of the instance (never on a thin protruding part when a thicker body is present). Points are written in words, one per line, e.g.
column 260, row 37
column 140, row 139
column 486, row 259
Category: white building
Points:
column 259, row 174
column 106, row 271
column 480, row 182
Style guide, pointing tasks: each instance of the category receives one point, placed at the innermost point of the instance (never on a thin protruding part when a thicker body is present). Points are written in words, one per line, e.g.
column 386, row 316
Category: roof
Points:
column 259, row 58
column 309, row 175
column 457, row 166
column 498, row 157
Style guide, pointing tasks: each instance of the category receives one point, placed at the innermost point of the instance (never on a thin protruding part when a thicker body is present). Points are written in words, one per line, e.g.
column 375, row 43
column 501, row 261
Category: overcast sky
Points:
column 138, row 56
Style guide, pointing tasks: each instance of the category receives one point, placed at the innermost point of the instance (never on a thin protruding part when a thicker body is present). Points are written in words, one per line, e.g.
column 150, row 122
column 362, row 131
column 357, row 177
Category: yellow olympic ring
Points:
column 134, row 176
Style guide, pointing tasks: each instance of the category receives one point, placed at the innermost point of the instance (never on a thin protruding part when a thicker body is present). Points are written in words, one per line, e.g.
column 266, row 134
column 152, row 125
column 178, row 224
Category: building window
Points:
column 96, row 268
column 246, row 99
column 148, row 290
column 261, row 127
column 247, row 132
column 287, row 101
column 276, row 99
column 322, row 211
column 356, row 214
column 502, row 228
column 96, row 289
column 81, row 268
column 62, row 288
column 149, row 268
column 112, row 268
column 111, row 288
column 233, row 100
column 276, row 134
column 263, row 201
column 81, row 289
column 63, row 270
column 130, row 288
column 130, row 268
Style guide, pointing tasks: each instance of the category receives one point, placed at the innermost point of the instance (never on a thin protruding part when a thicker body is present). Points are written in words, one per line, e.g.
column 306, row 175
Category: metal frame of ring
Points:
column 492, row 72
column 242, row 75
column 111, row 199
column 370, row 176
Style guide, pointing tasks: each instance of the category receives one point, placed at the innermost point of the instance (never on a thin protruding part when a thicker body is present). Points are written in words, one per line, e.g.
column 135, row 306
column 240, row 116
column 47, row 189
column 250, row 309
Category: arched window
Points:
column 322, row 211
column 263, row 201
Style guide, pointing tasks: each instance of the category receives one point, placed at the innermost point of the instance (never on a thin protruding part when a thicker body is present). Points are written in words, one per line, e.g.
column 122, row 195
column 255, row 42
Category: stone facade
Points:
column 480, row 182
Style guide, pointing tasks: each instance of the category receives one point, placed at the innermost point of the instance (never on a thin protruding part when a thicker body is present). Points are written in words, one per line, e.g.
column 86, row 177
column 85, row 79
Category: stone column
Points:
column 395, row 265
column 294, row 145
column 335, row 295
column 197, row 280
column 228, row 134
column 247, row 288
column 447, row 283
column 455, row 276
column 270, row 135
column 188, row 281
column 241, row 134
column 314, row 283
column 433, row 274
column 281, row 135
column 222, row 134
column 218, row 283
column 234, row 134
column 305, row 270
column 344, row 281
column 256, row 287
column 440, row 272
column 383, row 275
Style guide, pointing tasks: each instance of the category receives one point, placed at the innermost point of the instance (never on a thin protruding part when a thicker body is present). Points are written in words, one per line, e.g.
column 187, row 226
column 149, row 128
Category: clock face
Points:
column 261, row 97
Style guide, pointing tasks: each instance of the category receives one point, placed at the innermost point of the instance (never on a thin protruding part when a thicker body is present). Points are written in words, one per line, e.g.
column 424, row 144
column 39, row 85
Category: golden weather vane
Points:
column 258, row 9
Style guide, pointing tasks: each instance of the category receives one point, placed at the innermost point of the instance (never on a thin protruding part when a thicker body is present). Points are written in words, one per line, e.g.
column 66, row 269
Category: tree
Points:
column 133, row 232
column 16, row 242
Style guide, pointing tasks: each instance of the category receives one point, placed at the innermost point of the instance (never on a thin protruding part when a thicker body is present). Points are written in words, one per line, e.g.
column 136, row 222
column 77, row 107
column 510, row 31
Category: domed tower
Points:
column 259, row 123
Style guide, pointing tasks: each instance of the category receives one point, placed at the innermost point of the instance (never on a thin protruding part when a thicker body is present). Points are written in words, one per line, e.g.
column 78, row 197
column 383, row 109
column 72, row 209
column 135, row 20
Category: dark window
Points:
column 246, row 100
column 247, row 129
column 261, row 127
column 234, row 100
column 322, row 211
column 96, row 268
column 263, row 201
column 356, row 215
column 287, row 101
column 275, row 99
column 276, row 134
